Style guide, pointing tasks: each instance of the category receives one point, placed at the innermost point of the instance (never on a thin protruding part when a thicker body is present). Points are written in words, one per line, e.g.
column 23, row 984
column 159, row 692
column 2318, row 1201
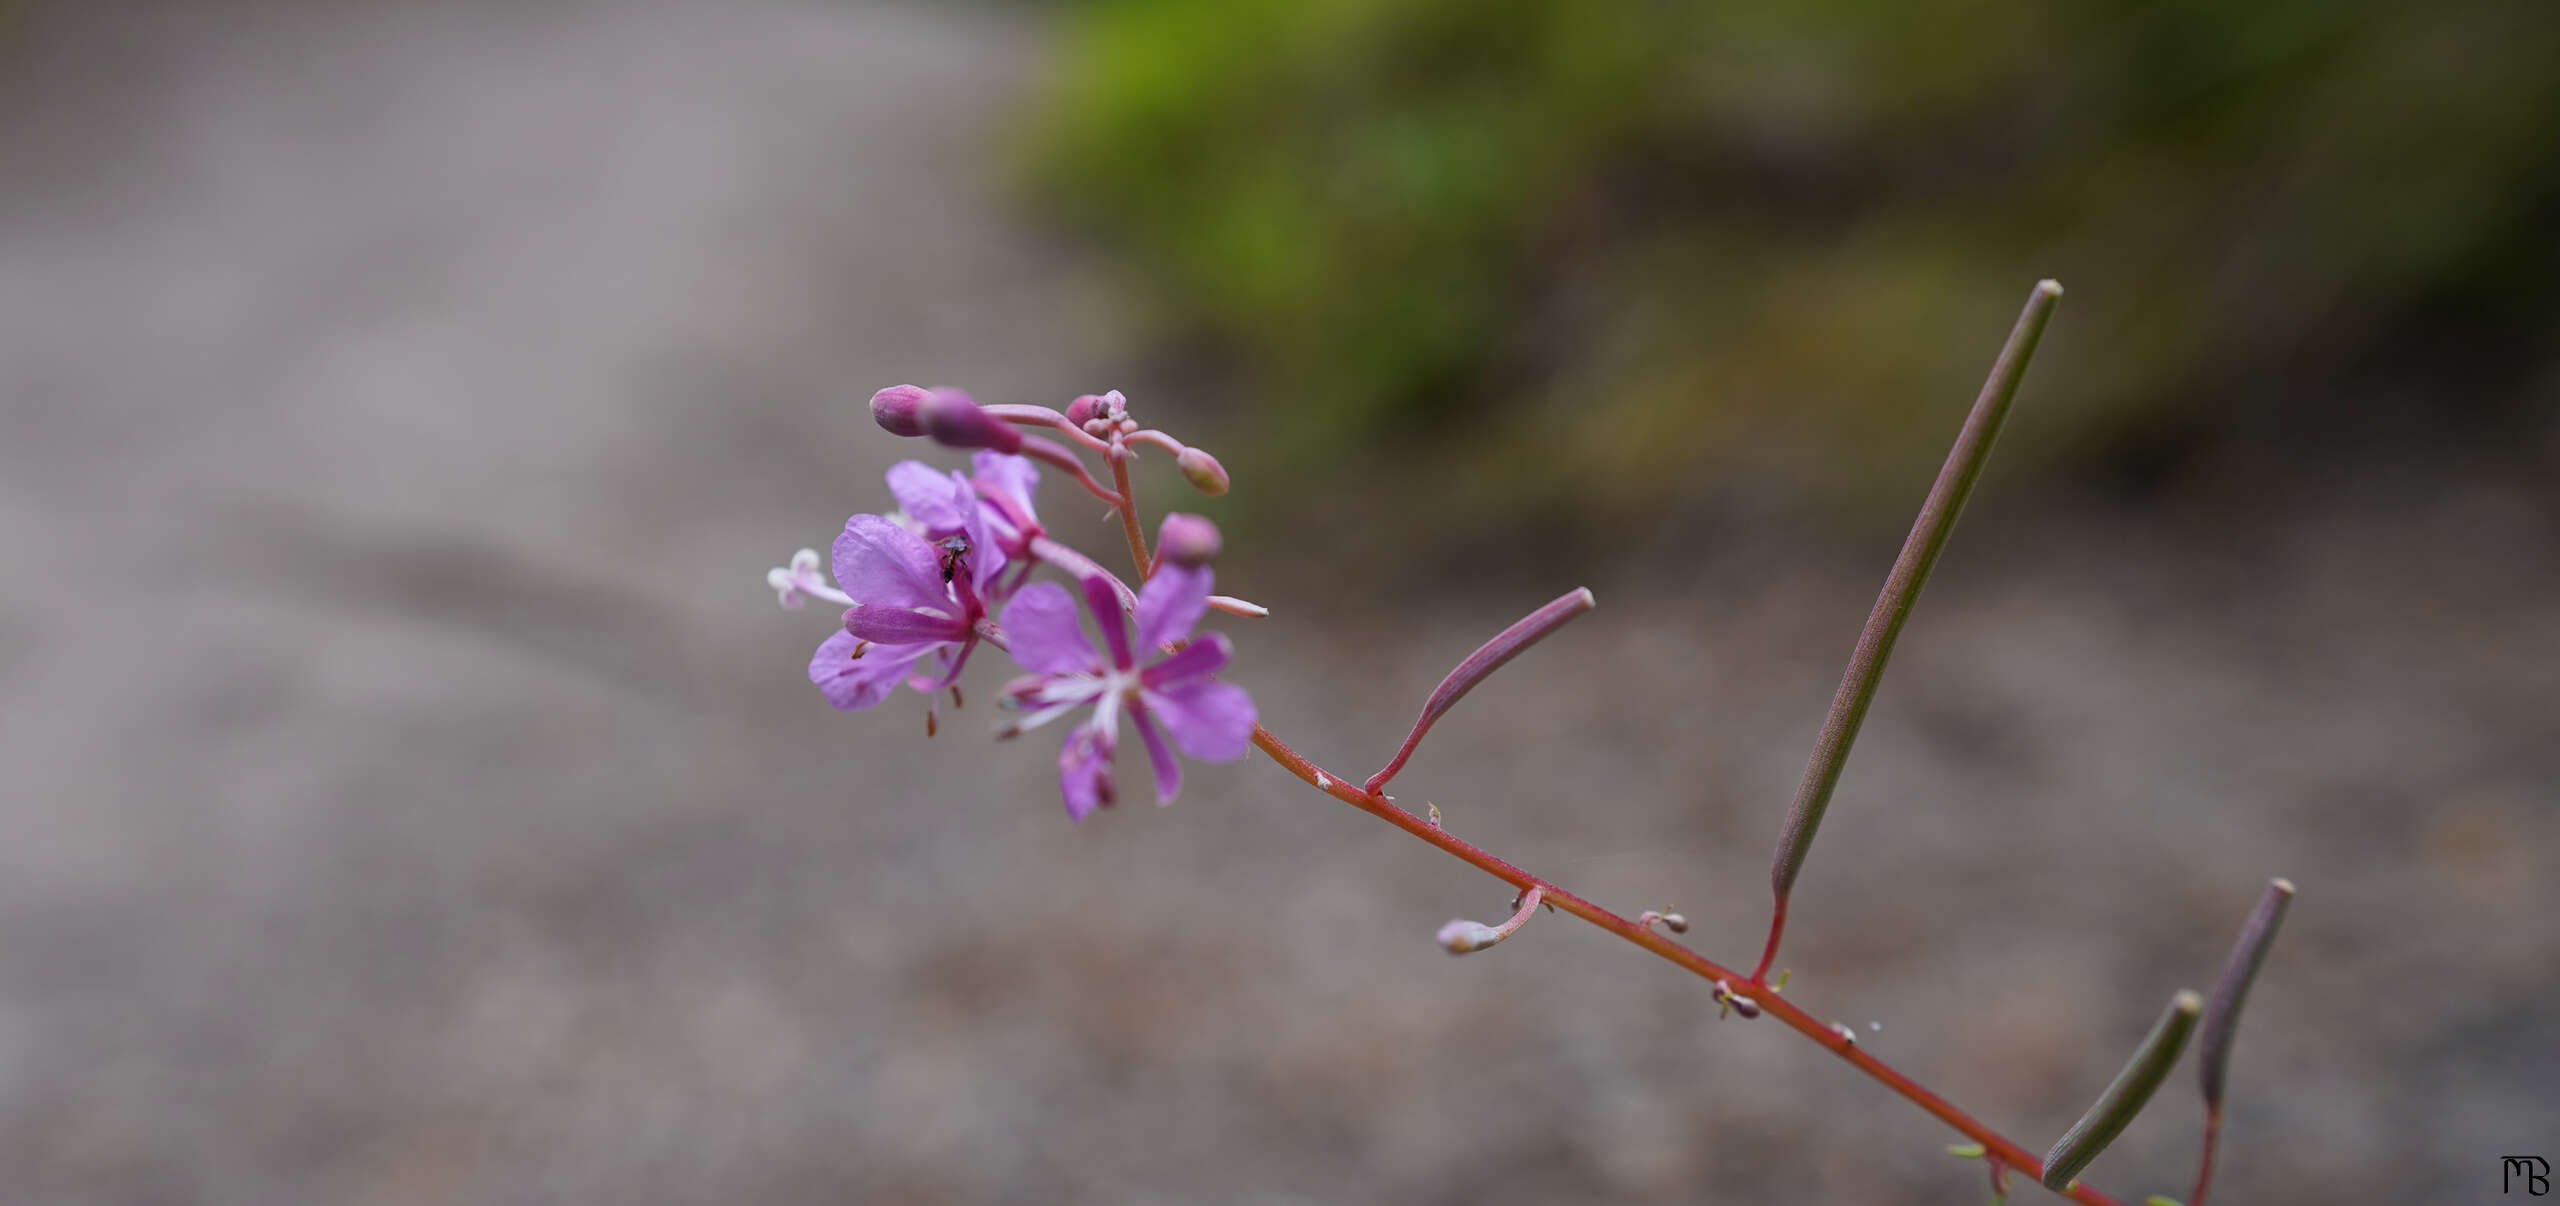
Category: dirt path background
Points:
column 412, row 795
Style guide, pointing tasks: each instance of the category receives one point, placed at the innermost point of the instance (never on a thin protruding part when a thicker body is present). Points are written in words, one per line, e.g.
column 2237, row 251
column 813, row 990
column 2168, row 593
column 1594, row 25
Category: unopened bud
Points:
column 1462, row 937
column 1096, row 414
column 894, row 409
column 1203, row 470
column 1189, row 541
column 956, row 422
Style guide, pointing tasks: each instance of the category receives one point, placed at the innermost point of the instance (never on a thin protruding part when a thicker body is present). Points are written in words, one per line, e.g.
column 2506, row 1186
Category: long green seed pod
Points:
column 2125, row 1098
column 1937, row 521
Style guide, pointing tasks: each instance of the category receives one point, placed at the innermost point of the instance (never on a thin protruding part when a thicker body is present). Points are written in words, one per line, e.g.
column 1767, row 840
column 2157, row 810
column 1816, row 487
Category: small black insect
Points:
column 954, row 549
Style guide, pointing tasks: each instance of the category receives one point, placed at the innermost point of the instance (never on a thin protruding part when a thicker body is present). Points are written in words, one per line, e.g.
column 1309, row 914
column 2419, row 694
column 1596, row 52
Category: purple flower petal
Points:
column 1108, row 616
column 1014, row 478
column 1170, row 604
column 880, row 563
column 1084, row 772
column 1040, row 624
column 1168, row 771
column 987, row 537
column 1208, row 719
column 903, row 626
column 851, row 682
column 1200, row 658
column 930, row 496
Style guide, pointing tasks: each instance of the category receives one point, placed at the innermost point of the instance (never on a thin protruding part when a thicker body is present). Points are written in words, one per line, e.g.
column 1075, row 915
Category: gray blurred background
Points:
column 412, row 794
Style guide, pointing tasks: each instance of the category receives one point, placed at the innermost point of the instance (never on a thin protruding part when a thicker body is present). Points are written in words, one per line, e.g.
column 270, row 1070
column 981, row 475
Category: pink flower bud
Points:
column 1108, row 408
column 1189, row 541
column 1203, row 470
column 954, row 421
column 894, row 409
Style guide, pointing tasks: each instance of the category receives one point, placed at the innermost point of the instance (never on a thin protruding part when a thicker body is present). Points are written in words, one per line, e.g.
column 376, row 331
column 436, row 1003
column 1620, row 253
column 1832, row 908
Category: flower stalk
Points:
column 1464, row 937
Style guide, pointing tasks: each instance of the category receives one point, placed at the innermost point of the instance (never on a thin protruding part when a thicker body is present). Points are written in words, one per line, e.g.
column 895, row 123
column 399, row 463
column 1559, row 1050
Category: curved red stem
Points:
column 1767, row 998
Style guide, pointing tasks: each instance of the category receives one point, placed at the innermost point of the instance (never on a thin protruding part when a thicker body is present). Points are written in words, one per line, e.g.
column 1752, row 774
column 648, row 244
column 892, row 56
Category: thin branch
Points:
column 1041, row 416
column 1057, row 454
column 1766, row 997
column 1128, row 507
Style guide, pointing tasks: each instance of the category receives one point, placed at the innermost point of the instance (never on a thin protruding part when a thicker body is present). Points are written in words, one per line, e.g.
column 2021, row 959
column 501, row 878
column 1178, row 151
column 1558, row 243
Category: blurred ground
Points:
column 413, row 795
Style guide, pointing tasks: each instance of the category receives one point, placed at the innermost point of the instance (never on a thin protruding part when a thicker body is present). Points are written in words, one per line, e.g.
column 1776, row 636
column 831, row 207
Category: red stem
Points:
column 1769, row 951
column 2204, row 1165
column 1057, row 454
column 1042, row 416
column 1119, row 458
column 1755, row 990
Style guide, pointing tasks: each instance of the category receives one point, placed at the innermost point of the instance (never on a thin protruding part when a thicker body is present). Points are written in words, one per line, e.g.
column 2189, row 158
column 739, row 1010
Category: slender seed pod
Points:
column 1920, row 550
column 1488, row 657
column 2125, row 1098
column 2222, row 1014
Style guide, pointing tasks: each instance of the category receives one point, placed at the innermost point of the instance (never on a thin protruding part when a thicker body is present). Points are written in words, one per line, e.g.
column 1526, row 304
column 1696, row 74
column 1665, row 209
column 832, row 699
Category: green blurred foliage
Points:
column 1633, row 251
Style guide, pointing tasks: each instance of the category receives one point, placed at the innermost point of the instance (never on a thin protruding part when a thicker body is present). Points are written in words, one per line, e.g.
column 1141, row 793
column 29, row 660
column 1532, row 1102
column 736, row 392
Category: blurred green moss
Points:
column 1629, row 248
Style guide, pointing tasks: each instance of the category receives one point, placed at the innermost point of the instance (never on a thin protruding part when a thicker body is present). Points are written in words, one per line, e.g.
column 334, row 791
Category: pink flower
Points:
column 905, row 609
column 1173, row 695
column 990, row 507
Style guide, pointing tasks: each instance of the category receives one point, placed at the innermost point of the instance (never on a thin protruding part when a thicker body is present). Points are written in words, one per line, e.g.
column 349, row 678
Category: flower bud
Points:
column 1189, row 541
column 894, row 409
column 1204, row 471
column 1465, row 937
column 954, row 421
column 1096, row 414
